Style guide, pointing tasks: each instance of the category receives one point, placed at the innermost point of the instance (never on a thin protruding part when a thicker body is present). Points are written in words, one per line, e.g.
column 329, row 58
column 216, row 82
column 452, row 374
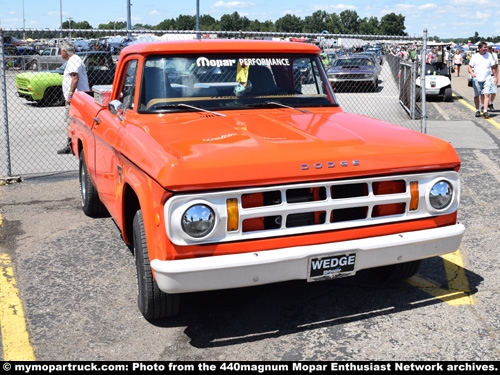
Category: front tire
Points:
column 152, row 302
column 399, row 271
column 91, row 204
column 53, row 96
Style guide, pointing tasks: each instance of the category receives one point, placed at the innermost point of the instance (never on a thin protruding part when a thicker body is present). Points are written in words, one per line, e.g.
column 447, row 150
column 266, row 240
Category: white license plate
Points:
column 327, row 267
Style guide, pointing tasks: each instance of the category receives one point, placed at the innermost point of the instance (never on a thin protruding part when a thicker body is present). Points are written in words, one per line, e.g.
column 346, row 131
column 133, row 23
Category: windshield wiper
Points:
column 277, row 104
column 183, row 105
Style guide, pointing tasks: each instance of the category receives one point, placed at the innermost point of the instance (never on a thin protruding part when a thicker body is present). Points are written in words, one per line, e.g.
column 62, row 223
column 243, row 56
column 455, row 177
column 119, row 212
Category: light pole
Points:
column 60, row 14
column 69, row 20
column 24, row 24
column 198, row 35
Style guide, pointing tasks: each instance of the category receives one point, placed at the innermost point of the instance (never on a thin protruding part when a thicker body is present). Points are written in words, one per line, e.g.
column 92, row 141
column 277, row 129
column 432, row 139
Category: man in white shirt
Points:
column 481, row 68
column 74, row 79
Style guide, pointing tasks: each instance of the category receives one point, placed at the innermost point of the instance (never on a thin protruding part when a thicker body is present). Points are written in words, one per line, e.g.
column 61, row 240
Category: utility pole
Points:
column 129, row 20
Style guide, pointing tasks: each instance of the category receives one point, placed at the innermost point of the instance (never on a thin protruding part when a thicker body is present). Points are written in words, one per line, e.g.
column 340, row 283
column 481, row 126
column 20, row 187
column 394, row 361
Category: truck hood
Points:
column 199, row 150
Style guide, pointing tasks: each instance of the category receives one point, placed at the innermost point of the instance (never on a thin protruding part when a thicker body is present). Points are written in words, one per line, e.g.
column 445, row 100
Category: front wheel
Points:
column 53, row 96
column 399, row 271
column 152, row 302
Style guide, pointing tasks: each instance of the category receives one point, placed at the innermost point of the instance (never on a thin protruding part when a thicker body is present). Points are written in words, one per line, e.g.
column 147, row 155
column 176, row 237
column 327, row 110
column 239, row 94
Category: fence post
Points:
column 3, row 86
column 422, row 85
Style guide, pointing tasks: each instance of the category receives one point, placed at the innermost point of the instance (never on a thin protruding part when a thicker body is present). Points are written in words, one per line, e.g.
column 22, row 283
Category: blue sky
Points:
column 446, row 19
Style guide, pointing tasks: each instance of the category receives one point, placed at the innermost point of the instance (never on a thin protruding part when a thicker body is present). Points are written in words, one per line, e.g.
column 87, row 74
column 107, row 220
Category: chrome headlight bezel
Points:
column 440, row 195
column 198, row 220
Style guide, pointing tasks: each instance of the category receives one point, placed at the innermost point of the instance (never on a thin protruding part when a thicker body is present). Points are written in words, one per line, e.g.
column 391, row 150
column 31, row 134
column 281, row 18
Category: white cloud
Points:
column 232, row 4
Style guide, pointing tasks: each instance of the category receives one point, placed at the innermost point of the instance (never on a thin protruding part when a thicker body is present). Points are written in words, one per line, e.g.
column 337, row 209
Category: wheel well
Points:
column 80, row 147
column 131, row 203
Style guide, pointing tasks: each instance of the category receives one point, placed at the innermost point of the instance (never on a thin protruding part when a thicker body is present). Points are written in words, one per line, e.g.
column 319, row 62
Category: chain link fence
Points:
column 33, row 125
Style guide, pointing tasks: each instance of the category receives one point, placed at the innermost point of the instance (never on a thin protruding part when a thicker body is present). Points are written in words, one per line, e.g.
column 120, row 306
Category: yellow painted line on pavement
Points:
column 15, row 338
column 458, row 292
column 471, row 107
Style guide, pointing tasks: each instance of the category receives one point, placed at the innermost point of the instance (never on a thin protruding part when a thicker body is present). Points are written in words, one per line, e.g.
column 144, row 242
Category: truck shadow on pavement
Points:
column 237, row 316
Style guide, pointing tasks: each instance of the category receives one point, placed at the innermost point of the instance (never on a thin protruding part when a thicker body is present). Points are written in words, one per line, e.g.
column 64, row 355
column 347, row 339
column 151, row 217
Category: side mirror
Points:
column 115, row 106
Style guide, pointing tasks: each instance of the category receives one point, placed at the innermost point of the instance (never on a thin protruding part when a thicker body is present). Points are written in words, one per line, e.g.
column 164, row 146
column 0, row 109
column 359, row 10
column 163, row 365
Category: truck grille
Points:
column 332, row 201
column 313, row 207
column 22, row 82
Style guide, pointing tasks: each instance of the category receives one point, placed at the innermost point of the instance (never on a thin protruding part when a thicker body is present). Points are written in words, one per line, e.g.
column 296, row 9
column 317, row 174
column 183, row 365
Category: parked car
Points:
column 376, row 56
column 8, row 60
column 23, row 56
column 49, row 58
column 45, row 87
column 378, row 53
column 327, row 56
column 355, row 72
column 305, row 68
column 81, row 45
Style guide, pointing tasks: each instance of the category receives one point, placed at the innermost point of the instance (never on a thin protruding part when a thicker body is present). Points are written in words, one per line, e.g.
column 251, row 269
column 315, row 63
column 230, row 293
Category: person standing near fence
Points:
column 74, row 79
column 481, row 68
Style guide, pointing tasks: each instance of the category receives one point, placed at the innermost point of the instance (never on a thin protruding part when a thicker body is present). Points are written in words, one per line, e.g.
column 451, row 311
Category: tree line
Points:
column 346, row 22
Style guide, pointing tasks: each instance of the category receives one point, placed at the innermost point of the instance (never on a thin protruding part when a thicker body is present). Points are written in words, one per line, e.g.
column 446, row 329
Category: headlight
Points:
column 198, row 220
column 440, row 195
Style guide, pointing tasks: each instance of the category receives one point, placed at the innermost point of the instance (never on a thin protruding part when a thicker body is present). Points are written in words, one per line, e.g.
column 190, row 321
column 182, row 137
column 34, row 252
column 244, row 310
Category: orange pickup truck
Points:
column 229, row 163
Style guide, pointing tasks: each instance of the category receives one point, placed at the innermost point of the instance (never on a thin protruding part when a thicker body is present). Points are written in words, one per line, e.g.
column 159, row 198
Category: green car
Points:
column 45, row 87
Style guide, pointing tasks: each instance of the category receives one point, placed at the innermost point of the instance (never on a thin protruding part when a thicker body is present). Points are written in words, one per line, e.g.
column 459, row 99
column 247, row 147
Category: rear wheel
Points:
column 448, row 94
column 91, row 204
column 399, row 271
column 152, row 302
column 34, row 65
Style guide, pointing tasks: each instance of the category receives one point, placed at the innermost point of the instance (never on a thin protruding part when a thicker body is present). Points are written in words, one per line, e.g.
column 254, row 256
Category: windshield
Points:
column 352, row 62
column 216, row 82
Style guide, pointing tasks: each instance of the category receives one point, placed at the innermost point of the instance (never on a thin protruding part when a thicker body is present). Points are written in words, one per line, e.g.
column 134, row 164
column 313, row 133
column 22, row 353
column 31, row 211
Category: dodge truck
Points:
column 223, row 168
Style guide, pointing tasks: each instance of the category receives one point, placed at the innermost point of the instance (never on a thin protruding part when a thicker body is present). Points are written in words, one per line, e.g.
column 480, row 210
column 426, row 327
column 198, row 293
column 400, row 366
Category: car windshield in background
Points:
column 217, row 82
column 352, row 62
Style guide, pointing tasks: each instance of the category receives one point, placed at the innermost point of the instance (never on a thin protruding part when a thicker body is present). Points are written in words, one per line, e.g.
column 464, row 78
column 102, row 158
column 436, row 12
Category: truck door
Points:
column 107, row 139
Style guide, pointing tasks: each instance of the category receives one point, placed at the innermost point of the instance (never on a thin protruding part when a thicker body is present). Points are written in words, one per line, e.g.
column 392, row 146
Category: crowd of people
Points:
column 482, row 69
